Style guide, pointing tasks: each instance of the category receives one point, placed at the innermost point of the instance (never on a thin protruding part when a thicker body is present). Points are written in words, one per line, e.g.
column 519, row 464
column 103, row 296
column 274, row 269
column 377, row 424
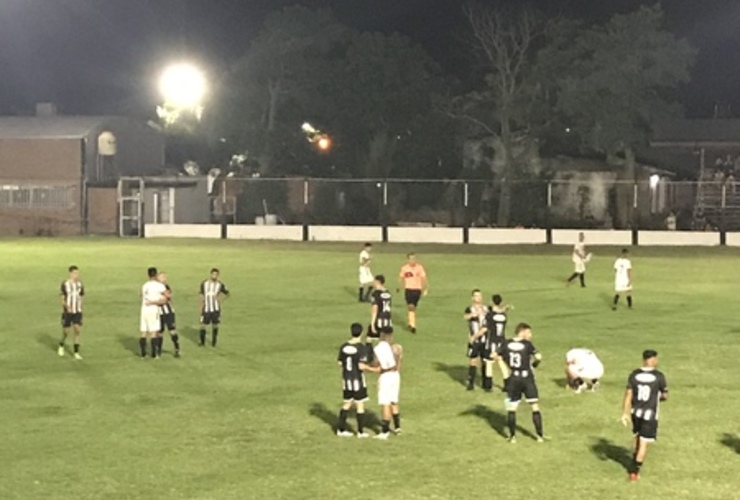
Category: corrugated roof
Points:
column 697, row 133
column 50, row 127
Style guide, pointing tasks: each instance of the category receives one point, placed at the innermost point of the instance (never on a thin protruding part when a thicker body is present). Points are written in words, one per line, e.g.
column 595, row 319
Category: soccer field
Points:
column 253, row 418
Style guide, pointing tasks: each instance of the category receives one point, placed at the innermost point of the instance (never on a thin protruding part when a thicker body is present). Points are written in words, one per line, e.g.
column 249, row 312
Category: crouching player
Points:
column 583, row 369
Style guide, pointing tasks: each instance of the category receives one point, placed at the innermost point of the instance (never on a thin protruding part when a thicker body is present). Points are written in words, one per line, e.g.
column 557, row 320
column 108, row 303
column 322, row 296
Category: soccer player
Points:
column 72, row 292
column 521, row 357
column 583, row 369
column 380, row 311
column 152, row 297
column 211, row 292
column 495, row 331
column 366, row 275
column 646, row 388
column 353, row 361
column 388, row 356
column 413, row 278
column 623, row 279
column 167, row 317
column 478, row 344
column 579, row 257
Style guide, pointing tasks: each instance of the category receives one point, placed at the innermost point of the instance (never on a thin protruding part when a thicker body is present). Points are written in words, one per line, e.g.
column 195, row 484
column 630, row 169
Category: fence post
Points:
column 224, row 225
column 466, row 215
column 384, row 213
column 306, row 235
column 635, row 233
column 548, row 215
column 722, row 221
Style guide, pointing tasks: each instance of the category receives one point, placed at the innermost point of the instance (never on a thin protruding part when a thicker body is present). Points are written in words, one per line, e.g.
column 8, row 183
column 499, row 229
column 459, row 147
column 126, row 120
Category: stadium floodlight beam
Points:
column 183, row 86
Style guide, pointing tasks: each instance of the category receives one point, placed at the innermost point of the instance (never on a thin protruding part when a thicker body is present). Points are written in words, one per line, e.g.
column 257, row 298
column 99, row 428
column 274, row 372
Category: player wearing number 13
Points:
column 646, row 388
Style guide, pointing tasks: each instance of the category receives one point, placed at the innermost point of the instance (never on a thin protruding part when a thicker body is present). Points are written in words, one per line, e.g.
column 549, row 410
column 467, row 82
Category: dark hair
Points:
column 410, row 254
column 152, row 272
column 497, row 299
column 475, row 290
column 356, row 329
column 73, row 268
column 215, row 270
column 368, row 245
column 625, row 251
column 380, row 279
column 649, row 354
column 521, row 327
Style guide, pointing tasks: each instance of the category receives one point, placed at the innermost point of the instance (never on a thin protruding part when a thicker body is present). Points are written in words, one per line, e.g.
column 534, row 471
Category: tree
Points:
column 622, row 78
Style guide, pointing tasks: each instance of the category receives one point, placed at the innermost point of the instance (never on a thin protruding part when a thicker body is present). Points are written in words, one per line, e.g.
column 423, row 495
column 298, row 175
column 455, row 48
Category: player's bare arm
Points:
column 626, row 407
column 424, row 285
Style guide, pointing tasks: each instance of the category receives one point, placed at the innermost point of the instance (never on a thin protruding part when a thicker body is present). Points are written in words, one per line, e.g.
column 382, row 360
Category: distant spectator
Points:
column 670, row 222
column 730, row 181
column 719, row 176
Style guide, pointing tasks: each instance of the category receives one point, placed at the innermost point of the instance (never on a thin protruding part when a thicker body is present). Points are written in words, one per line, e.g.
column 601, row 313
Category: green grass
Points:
column 252, row 419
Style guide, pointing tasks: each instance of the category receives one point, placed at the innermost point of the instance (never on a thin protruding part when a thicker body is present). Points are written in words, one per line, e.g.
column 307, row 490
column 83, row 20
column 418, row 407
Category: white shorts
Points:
column 389, row 387
column 150, row 322
column 593, row 370
column 622, row 286
column 580, row 266
column 366, row 276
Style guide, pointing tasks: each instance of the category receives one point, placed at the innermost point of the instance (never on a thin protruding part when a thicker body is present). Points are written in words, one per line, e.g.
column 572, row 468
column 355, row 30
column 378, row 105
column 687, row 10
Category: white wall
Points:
column 250, row 232
column 733, row 239
column 425, row 235
column 678, row 238
column 182, row 231
column 593, row 237
column 485, row 236
column 346, row 233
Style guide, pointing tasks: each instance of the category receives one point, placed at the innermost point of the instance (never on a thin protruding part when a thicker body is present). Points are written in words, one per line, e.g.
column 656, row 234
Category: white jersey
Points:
column 579, row 251
column 365, row 274
column 585, row 364
column 389, row 383
column 622, row 281
column 151, row 292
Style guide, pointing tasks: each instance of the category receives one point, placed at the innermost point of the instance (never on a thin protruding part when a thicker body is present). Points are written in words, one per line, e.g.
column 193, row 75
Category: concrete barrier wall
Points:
column 346, row 233
column 484, row 236
column 182, row 231
column 678, row 238
column 248, row 232
column 733, row 239
column 593, row 237
column 425, row 235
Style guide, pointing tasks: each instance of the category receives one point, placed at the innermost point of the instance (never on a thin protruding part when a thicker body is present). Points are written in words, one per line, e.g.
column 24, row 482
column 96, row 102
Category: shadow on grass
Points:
column 561, row 382
column 458, row 373
column 320, row 411
column 732, row 441
column 192, row 334
column 607, row 450
column 130, row 343
column 496, row 421
column 354, row 293
column 47, row 341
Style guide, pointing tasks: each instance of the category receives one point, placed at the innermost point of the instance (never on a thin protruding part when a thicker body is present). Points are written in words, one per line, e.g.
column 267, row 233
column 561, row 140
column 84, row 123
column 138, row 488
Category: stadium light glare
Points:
column 182, row 86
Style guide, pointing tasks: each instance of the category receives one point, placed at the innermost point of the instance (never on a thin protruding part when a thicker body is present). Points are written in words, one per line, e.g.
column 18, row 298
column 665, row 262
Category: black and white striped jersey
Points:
column 648, row 388
column 72, row 292
column 477, row 321
column 167, row 308
column 350, row 356
column 211, row 292
column 382, row 300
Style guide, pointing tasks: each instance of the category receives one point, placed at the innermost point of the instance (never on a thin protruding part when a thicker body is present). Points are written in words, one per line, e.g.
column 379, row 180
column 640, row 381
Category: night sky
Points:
column 101, row 56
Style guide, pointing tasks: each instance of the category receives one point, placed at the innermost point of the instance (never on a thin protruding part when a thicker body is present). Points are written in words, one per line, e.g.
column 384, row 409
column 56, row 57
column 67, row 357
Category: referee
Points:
column 413, row 278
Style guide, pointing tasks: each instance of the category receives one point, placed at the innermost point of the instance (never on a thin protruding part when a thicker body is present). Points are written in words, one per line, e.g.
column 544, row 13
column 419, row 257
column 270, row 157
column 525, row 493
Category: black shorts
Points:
column 413, row 297
column 645, row 429
column 358, row 396
column 381, row 326
column 69, row 319
column 168, row 322
column 516, row 387
column 210, row 318
column 478, row 350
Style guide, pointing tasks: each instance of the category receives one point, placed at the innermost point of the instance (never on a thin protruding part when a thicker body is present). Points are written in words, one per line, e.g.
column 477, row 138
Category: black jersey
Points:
column 166, row 308
column 476, row 322
column 648, row 386
column 350, row 356
column 496, row 323
column 517, row 354
column 382, row 301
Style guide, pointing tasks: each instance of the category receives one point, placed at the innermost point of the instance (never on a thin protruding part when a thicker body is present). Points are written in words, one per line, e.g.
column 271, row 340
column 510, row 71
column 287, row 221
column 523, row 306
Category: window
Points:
column 36, row 196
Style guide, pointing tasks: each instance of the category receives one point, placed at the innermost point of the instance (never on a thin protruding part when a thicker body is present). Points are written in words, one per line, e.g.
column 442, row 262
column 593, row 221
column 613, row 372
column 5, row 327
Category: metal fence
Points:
column 596, row 204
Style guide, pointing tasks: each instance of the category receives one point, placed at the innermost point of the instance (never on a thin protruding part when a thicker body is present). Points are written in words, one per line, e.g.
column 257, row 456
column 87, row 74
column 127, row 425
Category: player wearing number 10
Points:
column 646, row 388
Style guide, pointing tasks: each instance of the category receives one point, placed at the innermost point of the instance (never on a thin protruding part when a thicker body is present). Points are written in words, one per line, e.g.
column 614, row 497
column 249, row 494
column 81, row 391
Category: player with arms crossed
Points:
column 72, row 292
column 353, row 361
column 413, row 278
column 622, row 279
column 152, row 298
column 646, row 388
column 381, row 320
column 580, row 258
column 366, row 275
column 583, row 369
column 479, row 347
column 388, row 357
column 521, row 357
column 167, row 317
column 212, row 292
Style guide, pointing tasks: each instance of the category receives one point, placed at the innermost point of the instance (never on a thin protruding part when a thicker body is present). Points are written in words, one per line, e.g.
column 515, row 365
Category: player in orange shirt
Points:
column 413, row 278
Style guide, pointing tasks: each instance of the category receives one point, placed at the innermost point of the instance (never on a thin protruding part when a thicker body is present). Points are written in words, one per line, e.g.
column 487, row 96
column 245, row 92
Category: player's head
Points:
column 355, row 330
column 523, row 331
column 497, row 299
column 625, row 252
column 650, row 358
column 581, row 237
column 477, row 296
column 379, row 281
column 162, row 277
column 74, row 272
column 368, row 246
column 151, row 272
column 214, row 274
column 411, row 257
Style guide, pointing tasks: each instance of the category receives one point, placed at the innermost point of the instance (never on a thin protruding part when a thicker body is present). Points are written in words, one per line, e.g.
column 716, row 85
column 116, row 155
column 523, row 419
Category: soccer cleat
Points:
column 344, row 433
column 540, row 439
column 78, row 356
column 363, row 435
column 397, row 432
column 614, row 308
column 383, row 435
column 512, row 439
column 60, row 351
column 413, row 329
column 177, row 354
column 470, row 387
column 634, row 476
